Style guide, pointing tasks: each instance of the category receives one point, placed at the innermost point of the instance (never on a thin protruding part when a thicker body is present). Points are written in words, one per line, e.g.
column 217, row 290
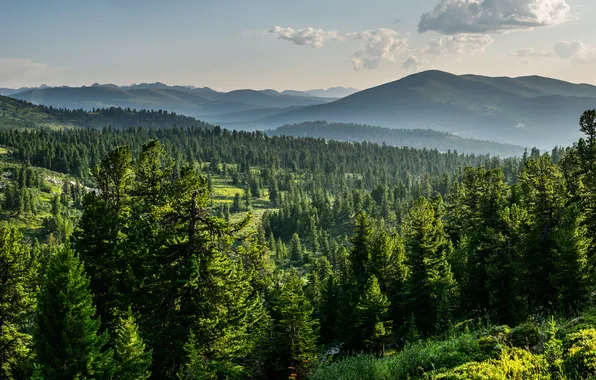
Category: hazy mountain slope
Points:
column 247, row 116
column 333, row 92
column 20, row 114
column 417, row 138
column 7, row 91
column 186, row 100
column 528, row 111
column 269, row 99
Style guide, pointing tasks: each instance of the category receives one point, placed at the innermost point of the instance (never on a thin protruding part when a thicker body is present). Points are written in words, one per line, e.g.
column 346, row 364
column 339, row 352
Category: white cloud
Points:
column 413, row 63
column 310, row 36
column 448, row 46
column 526, row 53
column 377, row 45
column 23, row 72
column 493, row 16
column 576, row 51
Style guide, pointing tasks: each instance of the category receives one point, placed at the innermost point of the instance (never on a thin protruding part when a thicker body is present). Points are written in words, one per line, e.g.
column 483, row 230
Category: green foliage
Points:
column 294, row 331
column 431, row 289
column 132, row 359
column 512, row 364
column 372, row 324
column 17, row 273
column 414, row 361
column 553, row 350
column 67, row 338
column 580, row 361
column 526, row 335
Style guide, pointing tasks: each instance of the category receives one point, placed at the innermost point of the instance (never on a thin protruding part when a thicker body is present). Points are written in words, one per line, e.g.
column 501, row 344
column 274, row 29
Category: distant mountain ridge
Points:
column 188, row 100
column 527, row 110
column 333, row 92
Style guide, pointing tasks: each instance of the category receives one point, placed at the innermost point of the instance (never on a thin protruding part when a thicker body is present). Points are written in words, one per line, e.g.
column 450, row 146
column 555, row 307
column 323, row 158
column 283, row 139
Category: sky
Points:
column 300, row 45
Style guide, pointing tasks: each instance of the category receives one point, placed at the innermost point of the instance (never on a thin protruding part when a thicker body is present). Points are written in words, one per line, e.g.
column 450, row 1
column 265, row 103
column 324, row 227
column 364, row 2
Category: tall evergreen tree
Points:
column 372, row 324
column 361, row 246
column 67, row 339
column 17, row 275
column 573, row 273
column 294, row 330
column 431, row 290
column 132, row 359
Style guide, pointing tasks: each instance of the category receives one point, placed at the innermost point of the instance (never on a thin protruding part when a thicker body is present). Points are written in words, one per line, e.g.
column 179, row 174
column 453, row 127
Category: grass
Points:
column 412, row 362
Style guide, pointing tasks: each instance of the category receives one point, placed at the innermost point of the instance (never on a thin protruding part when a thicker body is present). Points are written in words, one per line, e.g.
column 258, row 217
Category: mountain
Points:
column 20, row 114
column 333, row 92
column 188, row 100
column 8, row 91
column 416, row 138
column 531, row 111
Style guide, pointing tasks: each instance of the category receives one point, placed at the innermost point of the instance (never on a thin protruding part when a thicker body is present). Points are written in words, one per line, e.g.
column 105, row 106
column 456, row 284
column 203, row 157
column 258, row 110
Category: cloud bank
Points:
column 493, row 16
column 576, row 51
column 530, row 52
column 310, row 36
column 377, row 45
column 446, row 46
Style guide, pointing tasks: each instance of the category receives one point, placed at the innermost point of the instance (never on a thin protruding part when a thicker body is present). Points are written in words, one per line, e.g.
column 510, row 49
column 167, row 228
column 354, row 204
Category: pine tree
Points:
column 361, row 245
column 572, row 277
column 296, row 249
column 372, row 319
column 236, row 203
column 196, row 366
column 295, row 331
column 431, row 290
column 132, row 359
column 543, row 190
column 329, row 309
column 17, row 274
column 67, row 339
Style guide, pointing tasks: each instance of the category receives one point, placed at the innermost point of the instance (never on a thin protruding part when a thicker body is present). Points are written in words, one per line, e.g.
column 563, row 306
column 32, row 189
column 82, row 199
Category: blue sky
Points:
column 230, row 44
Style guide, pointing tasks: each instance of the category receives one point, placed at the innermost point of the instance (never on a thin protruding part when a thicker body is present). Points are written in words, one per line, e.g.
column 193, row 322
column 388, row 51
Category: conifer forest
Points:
column 196, row 252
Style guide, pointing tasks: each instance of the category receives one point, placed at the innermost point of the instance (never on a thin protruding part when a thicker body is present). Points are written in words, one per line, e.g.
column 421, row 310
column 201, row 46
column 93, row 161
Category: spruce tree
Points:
column 17, row 278
column 572, row 277
column 131, row 358
column 372, row 324
column 67, row 339
column 296, row 249
column 294, row 330
column 361, row 246
column 431, row 291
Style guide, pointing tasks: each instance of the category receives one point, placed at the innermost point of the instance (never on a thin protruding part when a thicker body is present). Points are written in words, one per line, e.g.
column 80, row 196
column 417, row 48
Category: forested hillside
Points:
column 195, row 252
column 415, row 138
column 20, row 114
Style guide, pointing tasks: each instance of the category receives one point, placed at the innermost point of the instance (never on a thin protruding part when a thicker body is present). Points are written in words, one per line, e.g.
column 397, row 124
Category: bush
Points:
column 580, row 361
column 492, row 344
column 514, row 363
column 525, row 335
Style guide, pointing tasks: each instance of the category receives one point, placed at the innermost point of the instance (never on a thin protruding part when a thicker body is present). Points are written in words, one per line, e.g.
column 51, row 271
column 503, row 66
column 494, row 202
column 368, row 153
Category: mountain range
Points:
column 528, row 111
column 23, row 115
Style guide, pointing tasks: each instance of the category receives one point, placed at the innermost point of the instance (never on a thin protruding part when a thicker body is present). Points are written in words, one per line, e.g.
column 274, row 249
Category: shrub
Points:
column 581, row 354
column 492, row 344
column 525, row 335
column 514, row 363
